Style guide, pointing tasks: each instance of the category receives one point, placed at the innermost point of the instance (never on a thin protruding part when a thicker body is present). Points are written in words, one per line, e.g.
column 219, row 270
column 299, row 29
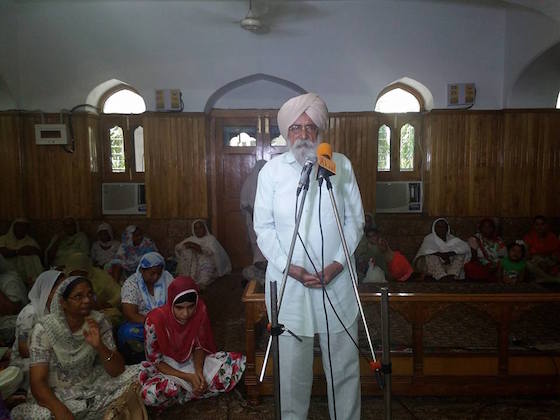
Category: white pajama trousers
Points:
column 296, row 374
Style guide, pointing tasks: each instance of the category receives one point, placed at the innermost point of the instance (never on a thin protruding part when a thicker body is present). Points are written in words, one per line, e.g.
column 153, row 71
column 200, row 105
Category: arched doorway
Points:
column 238, row 139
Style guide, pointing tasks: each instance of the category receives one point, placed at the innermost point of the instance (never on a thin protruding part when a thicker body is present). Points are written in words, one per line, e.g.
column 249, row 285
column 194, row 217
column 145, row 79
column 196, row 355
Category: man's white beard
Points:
column 303, row 149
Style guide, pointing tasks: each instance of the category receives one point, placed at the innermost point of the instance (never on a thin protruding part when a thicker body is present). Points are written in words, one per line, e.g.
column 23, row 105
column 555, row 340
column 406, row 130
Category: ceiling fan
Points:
column 253, row 22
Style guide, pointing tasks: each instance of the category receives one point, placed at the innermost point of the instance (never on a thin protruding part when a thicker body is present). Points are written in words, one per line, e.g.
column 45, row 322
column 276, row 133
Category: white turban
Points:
column 311, row 104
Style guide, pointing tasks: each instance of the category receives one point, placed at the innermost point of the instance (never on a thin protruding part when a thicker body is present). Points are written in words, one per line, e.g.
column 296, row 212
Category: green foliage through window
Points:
column 384, row 149
column 407, row 148
column 117, row 149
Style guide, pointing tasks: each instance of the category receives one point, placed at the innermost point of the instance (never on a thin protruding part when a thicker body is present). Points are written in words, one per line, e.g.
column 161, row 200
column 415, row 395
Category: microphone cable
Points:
column 360, row 352
column 322, row 279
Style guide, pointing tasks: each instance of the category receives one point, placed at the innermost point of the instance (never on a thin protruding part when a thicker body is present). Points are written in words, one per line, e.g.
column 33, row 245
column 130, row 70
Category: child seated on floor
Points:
column 513, row 265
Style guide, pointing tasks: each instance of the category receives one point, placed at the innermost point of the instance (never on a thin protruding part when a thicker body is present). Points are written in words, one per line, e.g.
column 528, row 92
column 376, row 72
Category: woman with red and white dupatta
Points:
column 181, row 359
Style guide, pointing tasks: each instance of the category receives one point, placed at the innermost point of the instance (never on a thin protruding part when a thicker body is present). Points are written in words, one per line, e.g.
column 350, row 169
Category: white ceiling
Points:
column 549, row 8
column 546, row 7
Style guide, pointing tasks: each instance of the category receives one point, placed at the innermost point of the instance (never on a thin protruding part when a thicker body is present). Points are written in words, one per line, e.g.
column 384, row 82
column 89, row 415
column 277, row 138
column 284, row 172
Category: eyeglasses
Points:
column 298, row 128
column 80, row 298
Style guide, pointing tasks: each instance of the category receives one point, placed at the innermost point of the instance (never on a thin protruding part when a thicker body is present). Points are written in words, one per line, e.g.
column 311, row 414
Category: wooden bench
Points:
column 503, row 370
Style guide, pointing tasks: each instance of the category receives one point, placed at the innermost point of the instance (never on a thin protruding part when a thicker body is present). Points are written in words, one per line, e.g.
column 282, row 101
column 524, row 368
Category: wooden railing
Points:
column 504, row 371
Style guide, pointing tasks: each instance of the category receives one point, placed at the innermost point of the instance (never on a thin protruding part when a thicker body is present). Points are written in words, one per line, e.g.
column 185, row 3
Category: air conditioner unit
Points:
column 121, row 198
column 398, row 197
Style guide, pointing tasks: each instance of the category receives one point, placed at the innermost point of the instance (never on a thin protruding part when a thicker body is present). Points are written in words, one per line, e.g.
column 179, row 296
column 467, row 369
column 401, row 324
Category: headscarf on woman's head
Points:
column 39, row 293
column 149, row 260
column 209, row 241
column 78, row 261
column 178, row 340
column 10, row 241
column 311, row 104
column 71, row 349
column 107, row 228
column 432, row 243
column 126, row 238
column 128, row 255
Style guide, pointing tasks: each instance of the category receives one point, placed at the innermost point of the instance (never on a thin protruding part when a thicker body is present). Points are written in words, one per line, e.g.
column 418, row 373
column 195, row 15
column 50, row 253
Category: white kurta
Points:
column 274, row 220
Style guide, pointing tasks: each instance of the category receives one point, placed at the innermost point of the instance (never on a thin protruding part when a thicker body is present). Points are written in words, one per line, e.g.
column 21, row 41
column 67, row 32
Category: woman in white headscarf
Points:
column 103, row 250
column 441, row 254
column 13, row 297
column 40, row 297
column 75, row 368
column 21, row 251
column 201, row 256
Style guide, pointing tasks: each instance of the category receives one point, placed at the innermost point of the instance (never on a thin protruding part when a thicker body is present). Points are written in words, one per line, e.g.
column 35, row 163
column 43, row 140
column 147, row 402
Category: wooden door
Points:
column 240, row 138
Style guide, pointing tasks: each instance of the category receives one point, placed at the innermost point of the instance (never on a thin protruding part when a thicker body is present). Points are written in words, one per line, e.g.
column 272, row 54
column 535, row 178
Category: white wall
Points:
column 9, row 76
column 529, row 80
column 346, row 51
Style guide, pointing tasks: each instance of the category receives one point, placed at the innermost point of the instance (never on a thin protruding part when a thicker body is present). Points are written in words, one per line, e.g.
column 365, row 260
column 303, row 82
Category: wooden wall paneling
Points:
column 546, row 185
column 463, row 153
column 484, row 143
column 355, row 135
column 58, row 183
column 520, row 160
column 175, row 152
column 11, row 171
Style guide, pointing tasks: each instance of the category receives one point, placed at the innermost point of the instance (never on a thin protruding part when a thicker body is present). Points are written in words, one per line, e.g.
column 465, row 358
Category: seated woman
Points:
column 543, row 247
column 68, row 241
column 133, row 245
column 143, row 291
column 40, row 297
column 441, row 254
column 21, row 251
column 103, row 250
column 13, row 297
column 486, row 250
column 201, row 256
column 76, row 371
column 107, row 290
column 182, row 362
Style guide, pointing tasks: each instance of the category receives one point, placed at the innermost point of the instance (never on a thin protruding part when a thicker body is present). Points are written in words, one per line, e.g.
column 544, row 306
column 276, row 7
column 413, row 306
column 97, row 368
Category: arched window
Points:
column 384, row 148
column 407, row 148
column 123, row 144
column 400, row 126
column 399, row 98
column 123, row 101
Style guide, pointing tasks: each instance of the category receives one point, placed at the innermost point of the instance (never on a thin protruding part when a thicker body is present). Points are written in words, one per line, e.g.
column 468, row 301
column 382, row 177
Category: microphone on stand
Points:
column 326, row 166
column 305, row 172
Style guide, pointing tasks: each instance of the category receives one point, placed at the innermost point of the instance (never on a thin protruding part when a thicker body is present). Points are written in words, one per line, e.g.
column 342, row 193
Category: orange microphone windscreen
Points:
column 324, row 160
column 324, row 149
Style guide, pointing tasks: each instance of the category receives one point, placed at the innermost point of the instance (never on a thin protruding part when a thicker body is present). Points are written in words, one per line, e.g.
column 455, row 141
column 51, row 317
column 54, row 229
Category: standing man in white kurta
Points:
column 301, row 120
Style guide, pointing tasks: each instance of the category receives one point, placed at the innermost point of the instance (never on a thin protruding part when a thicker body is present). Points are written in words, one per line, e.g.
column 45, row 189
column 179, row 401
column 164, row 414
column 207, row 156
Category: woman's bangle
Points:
column 108, row 359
